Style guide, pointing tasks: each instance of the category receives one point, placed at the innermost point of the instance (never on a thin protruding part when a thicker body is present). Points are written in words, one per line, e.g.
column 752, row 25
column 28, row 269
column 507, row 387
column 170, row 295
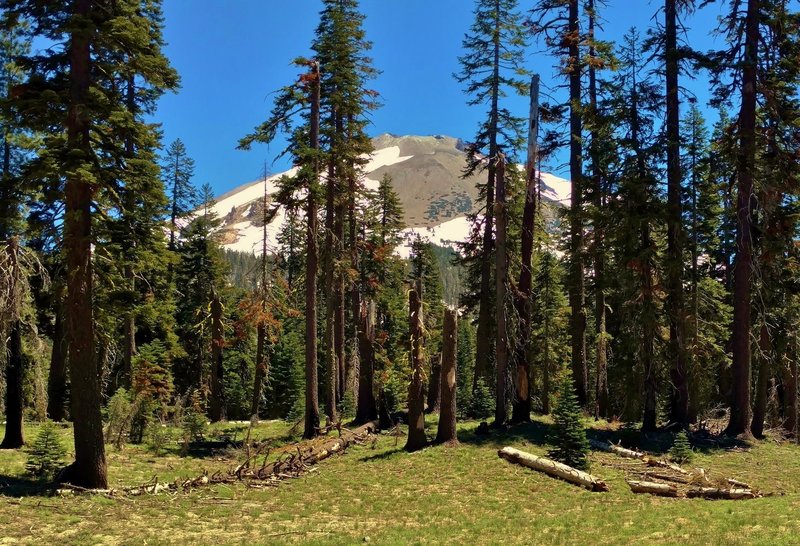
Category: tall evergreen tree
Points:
column 95, row 39
column 177, row 169
column 491, row 66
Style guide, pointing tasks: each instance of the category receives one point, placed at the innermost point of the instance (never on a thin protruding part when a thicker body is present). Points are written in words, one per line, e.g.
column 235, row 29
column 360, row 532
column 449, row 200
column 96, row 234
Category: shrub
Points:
column 46, row 454
column 158, row 437
column 119, row 416
column 681, row 450
column 568, row 435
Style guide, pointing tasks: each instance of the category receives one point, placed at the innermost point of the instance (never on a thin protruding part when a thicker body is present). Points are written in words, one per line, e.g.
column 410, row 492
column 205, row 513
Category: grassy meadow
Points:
column 379, row 494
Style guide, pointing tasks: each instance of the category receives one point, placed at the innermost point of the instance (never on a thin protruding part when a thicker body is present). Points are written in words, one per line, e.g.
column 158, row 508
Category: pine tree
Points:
column 559, row 23
column 13, row 260
column 491, row 66
column 177, row 169
column 98, row 47
column 568, row 434
column 681, row 450
column 46, row 454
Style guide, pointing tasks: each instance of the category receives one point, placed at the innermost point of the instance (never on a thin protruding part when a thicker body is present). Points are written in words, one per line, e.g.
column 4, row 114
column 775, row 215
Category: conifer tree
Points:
column 568, row 435
column 491, row 66
column 94, row 42
column 558, row 22
column 13, row 267
column 177, row 169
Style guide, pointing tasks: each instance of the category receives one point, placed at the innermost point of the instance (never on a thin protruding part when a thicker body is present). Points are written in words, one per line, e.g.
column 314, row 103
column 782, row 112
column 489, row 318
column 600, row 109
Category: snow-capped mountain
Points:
column 426, row 174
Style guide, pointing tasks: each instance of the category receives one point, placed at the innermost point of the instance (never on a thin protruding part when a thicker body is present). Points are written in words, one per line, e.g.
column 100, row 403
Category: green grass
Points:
column 380, row 494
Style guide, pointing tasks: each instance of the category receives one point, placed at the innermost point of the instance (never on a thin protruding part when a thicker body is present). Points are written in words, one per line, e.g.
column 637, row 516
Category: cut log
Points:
column 737, row 484
column 553, row 468
column 717, row 493
column 652, row 488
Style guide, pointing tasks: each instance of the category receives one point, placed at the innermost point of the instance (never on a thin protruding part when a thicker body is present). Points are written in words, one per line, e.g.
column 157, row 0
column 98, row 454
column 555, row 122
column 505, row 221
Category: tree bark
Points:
column 762, row 383
column 434, row 391
column 57, row 378
column 521, row 406
column 311, row 425
column 14, row 438
column 416, row 400
column 679, row 407
column 447, row 412
column 739, row 423
column 553, row 468
column 790, row 395
column 216, row 410
column 501, row 274
column 366, row 409
column 653, row 488
column 601, row 348
column 483, row 338
column 576, row 286
column 331, row 365
column 89, row 469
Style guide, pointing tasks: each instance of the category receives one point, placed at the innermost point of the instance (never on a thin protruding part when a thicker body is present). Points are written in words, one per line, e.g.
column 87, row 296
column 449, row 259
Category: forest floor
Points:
column 378, row 493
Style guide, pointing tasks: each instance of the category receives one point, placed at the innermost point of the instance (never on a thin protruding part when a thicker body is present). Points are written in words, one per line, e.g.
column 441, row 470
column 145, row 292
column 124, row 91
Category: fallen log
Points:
column 269, row 474
column 664, row 464
column 553, row 468
column 652, row 488
column 738, row 484
column 616, row 449
column 718, row 493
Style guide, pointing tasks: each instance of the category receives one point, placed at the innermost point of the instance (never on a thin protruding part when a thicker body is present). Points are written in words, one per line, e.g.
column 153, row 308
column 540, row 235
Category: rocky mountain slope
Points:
column 426, row 173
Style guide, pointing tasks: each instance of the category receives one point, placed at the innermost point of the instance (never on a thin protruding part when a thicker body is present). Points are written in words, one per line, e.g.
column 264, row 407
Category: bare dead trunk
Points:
column 89, row 469
column 366, row 409
column 762, row 383
column 521, row 405
column 416, row 400
column 447, row 412
column 262, row 368
column 216, row 410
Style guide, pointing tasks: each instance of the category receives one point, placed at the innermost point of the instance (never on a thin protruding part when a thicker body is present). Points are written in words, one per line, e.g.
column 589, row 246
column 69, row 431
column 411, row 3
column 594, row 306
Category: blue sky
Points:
column 231, row 54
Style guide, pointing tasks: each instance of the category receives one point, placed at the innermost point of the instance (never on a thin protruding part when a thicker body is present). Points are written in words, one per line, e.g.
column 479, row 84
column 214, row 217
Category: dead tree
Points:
column 416, row 396
column 447, row 409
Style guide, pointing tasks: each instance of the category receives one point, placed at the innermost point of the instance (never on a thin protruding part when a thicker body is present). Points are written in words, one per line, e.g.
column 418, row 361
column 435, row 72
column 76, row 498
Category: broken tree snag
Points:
column 553, row 468
column 416, row 397
column 447, row 409
column 652, row 488
column 724, row 494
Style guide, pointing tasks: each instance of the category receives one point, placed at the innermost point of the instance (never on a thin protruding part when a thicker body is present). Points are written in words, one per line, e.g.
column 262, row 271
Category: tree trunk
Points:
column 601, row 348
column 483, row 339
column 311, row 425
column 416, row 400
column 553, row 468
column 739, row 423
column 762, row 383
column 790, row 395
column 57, row 378
column 366, row 409
column 501, row 274
column 434, row 391
column 679, row 407
column 649, row 327
column 331, row 365
column 216, row 410
column 521, row 406
column 653, row 488
column 576, row 286
column 89, row 469
column 129, row 320
column 447, row 412
column 15, row 372
column 262, row 368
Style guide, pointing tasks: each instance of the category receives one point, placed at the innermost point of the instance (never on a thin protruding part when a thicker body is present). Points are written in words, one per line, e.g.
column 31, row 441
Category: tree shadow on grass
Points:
column 21, row 486
column 382, row 456
column 628, row 435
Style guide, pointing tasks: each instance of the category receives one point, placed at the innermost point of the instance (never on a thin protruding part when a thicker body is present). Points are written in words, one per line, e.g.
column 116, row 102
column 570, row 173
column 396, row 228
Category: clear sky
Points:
column 231, row 54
